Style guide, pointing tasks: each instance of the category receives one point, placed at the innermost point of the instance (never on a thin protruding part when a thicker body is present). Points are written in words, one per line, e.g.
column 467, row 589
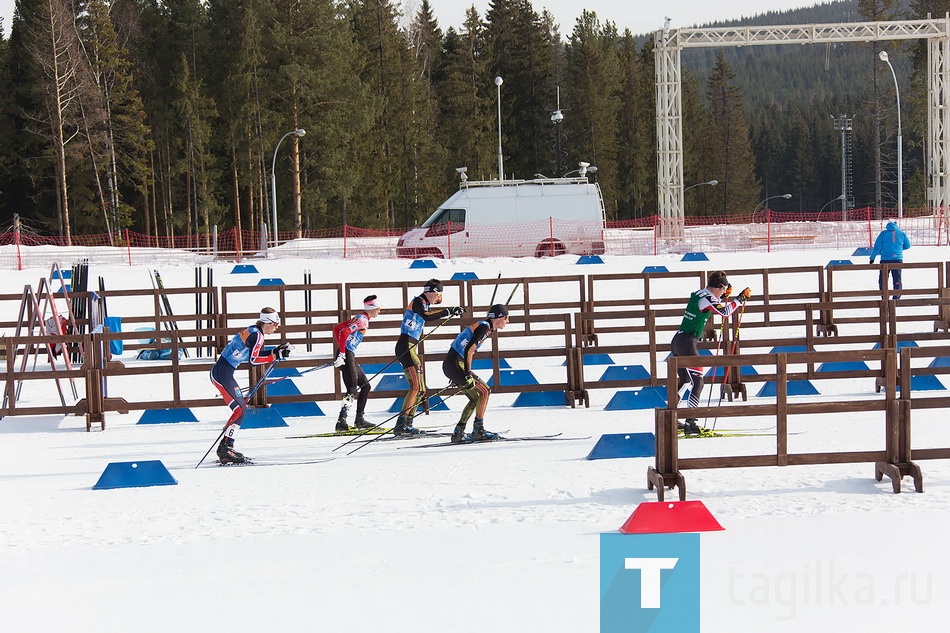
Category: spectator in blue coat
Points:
column 890, row 245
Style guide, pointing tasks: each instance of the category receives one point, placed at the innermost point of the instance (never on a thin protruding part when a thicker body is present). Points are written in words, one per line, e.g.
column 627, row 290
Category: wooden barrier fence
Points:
column 640, row 320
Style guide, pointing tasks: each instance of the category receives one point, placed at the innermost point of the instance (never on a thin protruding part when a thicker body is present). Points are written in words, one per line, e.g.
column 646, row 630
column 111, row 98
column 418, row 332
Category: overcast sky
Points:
column 639, row 17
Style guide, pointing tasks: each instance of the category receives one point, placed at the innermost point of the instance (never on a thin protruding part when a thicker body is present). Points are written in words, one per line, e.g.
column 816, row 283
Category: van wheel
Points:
column 550, row 248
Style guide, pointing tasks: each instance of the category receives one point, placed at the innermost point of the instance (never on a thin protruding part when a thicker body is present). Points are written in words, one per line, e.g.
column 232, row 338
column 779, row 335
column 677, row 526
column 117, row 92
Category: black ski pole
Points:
column 513, row 291
column 306, row 371
column 722, row 337
column 388, row 431
column 411, row 347
column 492, row 302
column 725, row 374
column 244, row 407
column 199, row 281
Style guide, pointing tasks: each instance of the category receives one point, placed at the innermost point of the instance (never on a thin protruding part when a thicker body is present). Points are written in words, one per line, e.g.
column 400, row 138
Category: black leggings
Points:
column 454, row 369
column 684, row 344
column 355, row 381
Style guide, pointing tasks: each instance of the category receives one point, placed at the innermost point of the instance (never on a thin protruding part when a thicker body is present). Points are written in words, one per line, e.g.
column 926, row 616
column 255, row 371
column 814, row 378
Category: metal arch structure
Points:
column 669, row 44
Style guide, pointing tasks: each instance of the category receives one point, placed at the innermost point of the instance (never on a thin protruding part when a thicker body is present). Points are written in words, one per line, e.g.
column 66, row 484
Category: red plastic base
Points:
column 658, row 517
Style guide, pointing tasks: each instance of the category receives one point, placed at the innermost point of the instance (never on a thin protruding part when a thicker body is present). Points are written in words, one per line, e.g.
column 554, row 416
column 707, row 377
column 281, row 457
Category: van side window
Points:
column 448, row 221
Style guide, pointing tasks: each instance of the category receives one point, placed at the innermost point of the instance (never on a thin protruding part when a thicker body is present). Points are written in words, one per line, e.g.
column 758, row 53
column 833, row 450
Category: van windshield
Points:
column 445, row 216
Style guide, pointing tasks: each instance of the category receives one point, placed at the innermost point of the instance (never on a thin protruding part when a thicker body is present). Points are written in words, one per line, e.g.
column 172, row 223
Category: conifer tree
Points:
column 518, row 50
column 7, row 127
column 196, row 165
column 123, row 135
column 465, row 129
column 627, row 124
column 53, row 46
column 594, row 100
column 697, row 168
column 644, row 157
column 394, row 154
column 730, row 144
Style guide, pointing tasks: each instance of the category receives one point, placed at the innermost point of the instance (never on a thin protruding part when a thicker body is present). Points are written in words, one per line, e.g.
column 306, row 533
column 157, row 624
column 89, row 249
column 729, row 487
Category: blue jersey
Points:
column 469, row 340
column 418, row 313
column 246, row 346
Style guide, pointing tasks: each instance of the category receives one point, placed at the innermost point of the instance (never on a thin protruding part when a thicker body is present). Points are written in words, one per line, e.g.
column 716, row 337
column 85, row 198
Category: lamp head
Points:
column 557, row 117
column 499, row 81
column 883, row 56
column 713, row 183
column 787, row 196
column 300, row 132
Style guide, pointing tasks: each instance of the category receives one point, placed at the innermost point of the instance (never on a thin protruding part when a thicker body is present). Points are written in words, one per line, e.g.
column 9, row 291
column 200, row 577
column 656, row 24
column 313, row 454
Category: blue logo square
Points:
column 649, row 583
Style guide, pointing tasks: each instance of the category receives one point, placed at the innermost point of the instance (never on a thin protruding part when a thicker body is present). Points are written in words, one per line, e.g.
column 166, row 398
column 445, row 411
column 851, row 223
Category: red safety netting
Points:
column 766, row 231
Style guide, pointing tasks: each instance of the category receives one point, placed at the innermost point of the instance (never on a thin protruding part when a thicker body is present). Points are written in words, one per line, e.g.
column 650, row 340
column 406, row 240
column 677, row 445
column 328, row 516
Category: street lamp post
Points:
column 843, row 211
column 711, row 183
column 273, row 179
column 900, row 144
column 501, row 163
column 584, row 169
column 787, row 196
column 557, row 117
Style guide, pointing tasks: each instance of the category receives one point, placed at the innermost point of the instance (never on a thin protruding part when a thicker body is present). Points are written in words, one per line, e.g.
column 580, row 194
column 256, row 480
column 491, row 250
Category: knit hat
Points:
column 433, row 285
column 498, row 311
column 717, row 279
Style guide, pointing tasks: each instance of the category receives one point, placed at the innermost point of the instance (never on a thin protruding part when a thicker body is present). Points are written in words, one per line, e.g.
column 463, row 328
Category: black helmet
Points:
column 717, row 279
column 433, row 285
column 498, row 311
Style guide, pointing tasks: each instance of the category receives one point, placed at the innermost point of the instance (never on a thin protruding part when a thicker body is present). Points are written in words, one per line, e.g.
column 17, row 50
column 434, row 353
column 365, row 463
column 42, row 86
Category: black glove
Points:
column 282, row 351
column 872, row 260
column 456, row 311
column 744, row 295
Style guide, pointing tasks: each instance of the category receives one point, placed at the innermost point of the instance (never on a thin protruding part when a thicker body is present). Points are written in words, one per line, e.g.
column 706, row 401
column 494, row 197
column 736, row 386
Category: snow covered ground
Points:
column 459, row 539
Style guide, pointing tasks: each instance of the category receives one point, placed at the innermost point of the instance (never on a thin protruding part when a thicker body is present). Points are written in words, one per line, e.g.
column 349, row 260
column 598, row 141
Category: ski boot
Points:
column 227, row 454
column 690, row 427
column 341, row 426
column 479, row 434
column 360, row 423
column 458, row 435
column 404, row 427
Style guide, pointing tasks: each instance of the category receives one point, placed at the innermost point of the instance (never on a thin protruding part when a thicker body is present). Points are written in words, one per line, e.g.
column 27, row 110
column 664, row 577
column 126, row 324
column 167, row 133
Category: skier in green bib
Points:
column 703, row 303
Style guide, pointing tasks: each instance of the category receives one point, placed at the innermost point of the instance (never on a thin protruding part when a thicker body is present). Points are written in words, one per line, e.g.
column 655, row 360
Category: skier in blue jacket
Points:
column 890, row 245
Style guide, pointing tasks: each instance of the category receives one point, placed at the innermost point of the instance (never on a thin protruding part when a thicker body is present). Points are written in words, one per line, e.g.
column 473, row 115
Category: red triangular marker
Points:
column 658, row 517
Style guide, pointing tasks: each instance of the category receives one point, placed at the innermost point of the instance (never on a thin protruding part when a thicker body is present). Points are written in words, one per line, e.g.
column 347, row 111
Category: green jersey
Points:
column 702, row 304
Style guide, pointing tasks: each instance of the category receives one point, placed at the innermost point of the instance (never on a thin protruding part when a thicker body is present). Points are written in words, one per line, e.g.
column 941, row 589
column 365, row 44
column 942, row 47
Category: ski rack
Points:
column 31, row 321
column 165, row 310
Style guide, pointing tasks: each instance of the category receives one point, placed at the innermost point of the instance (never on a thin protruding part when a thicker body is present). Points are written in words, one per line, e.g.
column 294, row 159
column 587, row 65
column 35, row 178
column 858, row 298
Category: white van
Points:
column 512, row 218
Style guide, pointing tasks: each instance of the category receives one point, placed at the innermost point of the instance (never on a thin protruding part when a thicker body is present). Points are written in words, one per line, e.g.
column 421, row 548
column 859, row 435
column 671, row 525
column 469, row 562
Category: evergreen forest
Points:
column 170, row 117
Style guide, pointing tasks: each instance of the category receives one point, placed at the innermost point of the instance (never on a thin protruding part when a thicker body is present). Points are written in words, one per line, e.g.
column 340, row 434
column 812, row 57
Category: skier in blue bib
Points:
column 457, row 367
column 246, row 346
column 418, row 313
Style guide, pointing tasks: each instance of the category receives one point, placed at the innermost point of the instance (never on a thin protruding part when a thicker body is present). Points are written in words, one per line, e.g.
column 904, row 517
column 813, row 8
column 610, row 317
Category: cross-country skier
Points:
column 246, row 346
column 457, row 367
column 348, row 335
column 703, row 303
column 418, row 313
